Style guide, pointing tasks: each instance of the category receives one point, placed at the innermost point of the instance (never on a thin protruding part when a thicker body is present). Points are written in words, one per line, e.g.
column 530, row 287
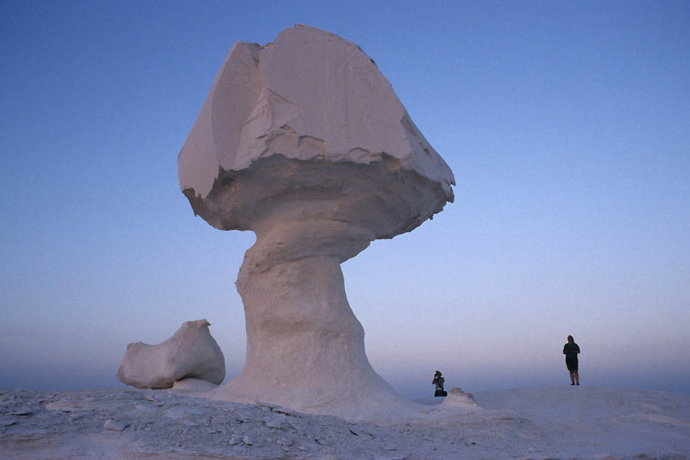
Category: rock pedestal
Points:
column 304, row 142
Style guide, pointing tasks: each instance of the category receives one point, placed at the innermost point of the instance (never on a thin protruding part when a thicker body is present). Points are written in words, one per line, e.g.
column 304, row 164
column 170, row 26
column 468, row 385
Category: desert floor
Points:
column 546, row 422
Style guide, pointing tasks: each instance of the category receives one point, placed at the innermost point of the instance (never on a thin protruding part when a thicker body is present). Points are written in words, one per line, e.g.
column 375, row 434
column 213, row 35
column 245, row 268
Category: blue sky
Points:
column 567, row 125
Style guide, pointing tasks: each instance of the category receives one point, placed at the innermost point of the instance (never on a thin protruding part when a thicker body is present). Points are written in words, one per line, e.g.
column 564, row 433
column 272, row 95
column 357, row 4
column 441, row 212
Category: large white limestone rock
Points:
column 191, row 353
column 308, row 95
column 304, row 142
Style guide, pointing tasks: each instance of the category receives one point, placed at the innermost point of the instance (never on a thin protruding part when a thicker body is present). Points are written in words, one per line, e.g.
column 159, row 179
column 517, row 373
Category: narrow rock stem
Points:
column 305, row 347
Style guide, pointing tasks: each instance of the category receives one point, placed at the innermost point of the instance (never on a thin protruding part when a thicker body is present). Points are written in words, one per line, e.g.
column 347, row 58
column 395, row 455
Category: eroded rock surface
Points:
column 459, row 399
column 551, row 422
column 191, row 353
column 308, row 95
column 304, row 142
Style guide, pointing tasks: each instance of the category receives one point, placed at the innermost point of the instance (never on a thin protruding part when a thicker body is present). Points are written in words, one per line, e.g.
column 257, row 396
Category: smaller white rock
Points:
column 234, row 440
column 457, row 398
column 114, row 425
column 190, row 353
column 194, row 385
column 23, row 411
column 276, row 422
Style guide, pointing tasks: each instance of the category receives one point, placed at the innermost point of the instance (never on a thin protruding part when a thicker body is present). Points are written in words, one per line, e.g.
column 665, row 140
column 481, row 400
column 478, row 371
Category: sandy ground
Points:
column 551, row 422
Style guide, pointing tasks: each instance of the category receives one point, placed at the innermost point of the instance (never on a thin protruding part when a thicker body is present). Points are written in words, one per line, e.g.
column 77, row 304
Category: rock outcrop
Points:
column 304, row 142
column 457, row 398
column 191, row 353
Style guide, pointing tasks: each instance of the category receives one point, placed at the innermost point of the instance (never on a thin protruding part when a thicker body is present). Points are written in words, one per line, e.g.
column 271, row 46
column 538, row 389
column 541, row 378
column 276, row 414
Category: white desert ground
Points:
column 545, row 422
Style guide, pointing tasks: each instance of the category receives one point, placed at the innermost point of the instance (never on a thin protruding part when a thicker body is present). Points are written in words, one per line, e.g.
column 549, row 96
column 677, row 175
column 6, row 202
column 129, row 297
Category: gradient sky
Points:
column 567, row 125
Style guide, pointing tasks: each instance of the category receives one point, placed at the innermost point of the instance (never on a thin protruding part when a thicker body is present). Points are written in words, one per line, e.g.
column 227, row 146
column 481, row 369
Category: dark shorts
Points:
column 571, row 363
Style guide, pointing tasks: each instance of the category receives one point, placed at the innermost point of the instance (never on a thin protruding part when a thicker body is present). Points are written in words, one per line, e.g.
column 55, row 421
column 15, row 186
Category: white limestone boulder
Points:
column 191, row 353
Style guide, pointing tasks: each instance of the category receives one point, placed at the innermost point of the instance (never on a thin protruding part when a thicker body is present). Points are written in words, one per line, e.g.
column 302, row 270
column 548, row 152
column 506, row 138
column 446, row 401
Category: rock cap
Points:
column 308, row 95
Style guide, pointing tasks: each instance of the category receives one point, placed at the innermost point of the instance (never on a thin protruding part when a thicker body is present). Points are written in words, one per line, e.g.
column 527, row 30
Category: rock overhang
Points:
column 311, row 97
column 381, row 196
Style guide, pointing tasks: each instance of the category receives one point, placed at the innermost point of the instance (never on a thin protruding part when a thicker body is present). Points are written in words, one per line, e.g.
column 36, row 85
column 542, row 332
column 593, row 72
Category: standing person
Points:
column 571, row 350
column 438, row 381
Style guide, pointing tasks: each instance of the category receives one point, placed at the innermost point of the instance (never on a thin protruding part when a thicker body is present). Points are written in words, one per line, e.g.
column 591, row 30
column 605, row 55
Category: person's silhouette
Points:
column 571, row 350
column 438, row 381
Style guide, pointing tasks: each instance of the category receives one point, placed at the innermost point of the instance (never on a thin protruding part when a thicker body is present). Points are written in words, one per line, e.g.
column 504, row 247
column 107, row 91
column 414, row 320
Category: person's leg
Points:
column 572, row 377
column 577, row 377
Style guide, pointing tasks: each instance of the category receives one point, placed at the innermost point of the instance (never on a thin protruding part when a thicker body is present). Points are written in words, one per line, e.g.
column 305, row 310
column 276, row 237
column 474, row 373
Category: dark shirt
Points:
column 438, row 381
column 571, row 350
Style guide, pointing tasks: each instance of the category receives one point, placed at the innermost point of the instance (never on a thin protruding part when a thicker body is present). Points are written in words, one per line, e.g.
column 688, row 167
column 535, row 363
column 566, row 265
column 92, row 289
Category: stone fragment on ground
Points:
column 191, row 353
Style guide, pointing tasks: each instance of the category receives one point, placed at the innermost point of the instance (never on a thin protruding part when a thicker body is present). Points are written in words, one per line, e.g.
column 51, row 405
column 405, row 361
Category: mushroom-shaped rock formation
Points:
column 191, row 353
column 304, row 142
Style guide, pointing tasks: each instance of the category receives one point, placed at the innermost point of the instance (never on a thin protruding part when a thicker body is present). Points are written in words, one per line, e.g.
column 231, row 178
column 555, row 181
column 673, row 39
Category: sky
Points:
column 566, row 124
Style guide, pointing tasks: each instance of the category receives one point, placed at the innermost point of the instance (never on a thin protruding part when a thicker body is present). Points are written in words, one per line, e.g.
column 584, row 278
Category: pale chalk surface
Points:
column 304, row 142
column 307, row 95
column 191, row 353
column 552, row 422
